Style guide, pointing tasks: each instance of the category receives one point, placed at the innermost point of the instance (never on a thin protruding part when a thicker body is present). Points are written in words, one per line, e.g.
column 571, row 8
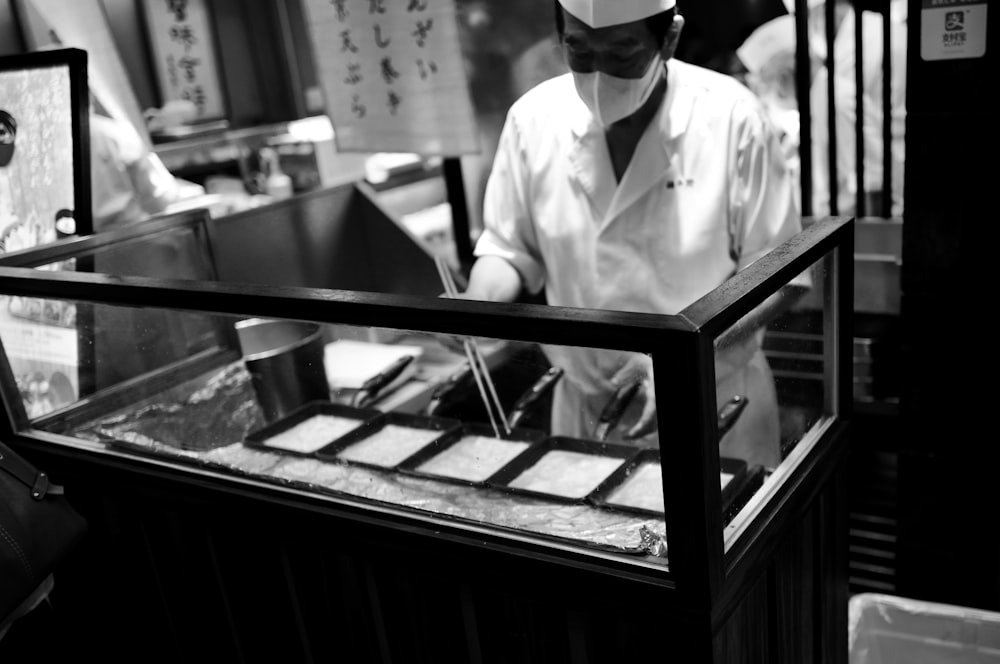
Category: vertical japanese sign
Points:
column 952, row 29
column 393, row 76
column 183, row 46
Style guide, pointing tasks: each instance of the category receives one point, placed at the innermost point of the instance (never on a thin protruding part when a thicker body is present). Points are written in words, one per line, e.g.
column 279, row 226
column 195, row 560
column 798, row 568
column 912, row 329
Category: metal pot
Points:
column 285, row 361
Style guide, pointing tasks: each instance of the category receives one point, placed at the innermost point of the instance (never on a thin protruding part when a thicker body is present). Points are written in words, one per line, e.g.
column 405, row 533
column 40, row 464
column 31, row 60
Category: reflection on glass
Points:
column 772, row 389
column 183, row 386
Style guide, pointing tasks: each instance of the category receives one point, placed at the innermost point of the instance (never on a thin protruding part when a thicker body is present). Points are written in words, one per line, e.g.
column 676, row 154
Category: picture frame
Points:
column 183, row 49
column 45, row 94
column 44, row 195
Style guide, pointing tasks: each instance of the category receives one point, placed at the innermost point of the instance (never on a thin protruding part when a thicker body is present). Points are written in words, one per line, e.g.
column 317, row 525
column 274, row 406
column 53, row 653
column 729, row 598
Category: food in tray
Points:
column 566, row 473
column 643, row 489
column 389, row 445
column 313, row 433
column 473, row 458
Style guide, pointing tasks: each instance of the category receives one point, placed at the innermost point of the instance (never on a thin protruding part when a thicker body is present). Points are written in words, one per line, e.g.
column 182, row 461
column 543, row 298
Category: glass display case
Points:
column 432, row 426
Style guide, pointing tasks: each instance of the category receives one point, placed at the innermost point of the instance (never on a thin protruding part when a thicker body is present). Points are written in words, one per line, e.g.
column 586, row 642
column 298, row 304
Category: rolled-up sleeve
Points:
column 509, row 231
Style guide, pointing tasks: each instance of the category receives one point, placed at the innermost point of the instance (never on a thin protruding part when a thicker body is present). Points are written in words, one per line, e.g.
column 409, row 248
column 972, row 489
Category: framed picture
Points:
column 44, row 146
column 44, row 193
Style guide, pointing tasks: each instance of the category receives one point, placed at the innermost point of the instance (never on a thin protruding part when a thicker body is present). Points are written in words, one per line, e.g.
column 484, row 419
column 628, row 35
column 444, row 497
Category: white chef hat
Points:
column 773, row 38
column 602, row 13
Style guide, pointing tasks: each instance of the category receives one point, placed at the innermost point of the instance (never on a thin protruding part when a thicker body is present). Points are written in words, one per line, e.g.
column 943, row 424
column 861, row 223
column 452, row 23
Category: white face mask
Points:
column 611, row 98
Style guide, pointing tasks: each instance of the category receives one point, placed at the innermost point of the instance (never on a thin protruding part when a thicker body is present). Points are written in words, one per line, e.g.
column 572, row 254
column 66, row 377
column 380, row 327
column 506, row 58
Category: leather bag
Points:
column 39, row 529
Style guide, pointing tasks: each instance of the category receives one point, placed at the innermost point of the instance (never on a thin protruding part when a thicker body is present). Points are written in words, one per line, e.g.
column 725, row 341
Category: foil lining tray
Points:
column 471, row 454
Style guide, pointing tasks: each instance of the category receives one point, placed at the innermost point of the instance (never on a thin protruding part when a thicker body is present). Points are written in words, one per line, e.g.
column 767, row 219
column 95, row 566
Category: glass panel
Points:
column 175, row 253
column 772, row 389
column 386, row 415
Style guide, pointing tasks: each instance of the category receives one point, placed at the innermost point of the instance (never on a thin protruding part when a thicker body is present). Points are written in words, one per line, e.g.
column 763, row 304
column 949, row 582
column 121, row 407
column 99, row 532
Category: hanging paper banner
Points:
column 183, row 45
column 393, row 76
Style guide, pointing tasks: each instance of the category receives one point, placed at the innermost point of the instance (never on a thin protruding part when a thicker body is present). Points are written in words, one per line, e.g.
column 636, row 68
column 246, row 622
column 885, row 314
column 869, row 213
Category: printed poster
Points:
column 183, row 45
column 36, row 190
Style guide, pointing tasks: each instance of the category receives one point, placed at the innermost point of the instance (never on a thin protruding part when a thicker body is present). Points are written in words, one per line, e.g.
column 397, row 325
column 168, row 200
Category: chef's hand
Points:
column 639, row 368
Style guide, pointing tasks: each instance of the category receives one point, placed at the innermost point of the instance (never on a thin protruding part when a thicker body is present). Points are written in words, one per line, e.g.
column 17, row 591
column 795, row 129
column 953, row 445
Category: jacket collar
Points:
column 650, row 164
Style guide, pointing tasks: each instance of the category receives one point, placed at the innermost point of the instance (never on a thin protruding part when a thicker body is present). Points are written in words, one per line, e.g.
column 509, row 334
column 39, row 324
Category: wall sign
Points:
column 183, row 47
column 44, row 176
column 393, row 76
column 952, row 29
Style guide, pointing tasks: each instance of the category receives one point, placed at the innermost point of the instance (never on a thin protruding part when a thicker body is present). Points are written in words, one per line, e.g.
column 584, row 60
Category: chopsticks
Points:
column 477, row 363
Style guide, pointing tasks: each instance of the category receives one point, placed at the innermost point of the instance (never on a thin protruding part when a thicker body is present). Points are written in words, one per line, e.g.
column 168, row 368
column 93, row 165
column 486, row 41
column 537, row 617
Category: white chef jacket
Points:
column 705, row 194
column 845, row 101
column 129, row 183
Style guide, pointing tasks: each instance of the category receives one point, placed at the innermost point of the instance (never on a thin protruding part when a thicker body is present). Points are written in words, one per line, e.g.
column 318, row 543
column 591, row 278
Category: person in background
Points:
column 845, row 89
column 765, row 63
column 129, row 182
column 636, row 182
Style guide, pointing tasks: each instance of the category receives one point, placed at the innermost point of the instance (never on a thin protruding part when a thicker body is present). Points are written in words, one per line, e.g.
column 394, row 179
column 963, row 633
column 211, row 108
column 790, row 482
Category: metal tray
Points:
column 538, row 469
column 648, row 461
column 363, row 445
column 260, row 438
column 437, row 451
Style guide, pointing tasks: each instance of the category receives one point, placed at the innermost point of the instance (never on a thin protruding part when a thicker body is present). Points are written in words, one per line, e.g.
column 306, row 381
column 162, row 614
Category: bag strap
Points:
column 17, row 467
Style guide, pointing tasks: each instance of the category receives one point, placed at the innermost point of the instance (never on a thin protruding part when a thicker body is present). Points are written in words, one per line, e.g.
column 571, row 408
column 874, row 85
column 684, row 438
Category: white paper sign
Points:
column 952, row 29
column 393, row 76
column 183, row 44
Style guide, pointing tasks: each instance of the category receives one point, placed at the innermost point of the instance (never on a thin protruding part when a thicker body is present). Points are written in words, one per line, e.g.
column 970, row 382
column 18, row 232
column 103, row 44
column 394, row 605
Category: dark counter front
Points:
column 227, row 552
column 183, row 564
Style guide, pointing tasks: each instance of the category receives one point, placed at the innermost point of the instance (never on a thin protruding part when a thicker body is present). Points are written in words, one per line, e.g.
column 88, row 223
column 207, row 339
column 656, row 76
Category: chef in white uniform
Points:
column 636, row 182
column 845, row 53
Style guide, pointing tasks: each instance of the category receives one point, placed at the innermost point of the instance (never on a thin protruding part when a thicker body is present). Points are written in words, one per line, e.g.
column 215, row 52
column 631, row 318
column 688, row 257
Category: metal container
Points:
column 285, row 361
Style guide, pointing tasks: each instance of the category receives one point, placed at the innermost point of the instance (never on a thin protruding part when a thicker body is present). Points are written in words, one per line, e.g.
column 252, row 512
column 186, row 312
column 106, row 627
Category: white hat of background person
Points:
column 772, row 39
column 603, row 13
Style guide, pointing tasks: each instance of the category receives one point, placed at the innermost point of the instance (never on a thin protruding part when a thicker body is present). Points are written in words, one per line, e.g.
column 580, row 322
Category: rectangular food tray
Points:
column 604, row 495
column 415, row 465
column 259, row 438
column 340, row 450
column 611, row 455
